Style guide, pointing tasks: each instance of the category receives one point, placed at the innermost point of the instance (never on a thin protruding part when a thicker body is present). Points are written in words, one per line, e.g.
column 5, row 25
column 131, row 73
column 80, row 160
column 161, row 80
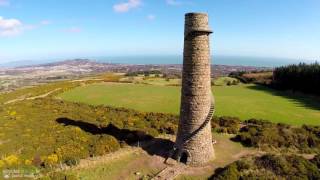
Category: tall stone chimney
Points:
column 194, row 139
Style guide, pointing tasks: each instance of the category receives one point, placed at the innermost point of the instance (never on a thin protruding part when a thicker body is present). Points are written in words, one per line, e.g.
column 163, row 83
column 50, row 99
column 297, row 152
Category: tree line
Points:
column 302, row 77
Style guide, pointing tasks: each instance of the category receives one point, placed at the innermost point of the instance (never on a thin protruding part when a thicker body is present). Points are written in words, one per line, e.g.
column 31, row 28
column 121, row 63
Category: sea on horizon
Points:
column 218, row 60
column 171, row 59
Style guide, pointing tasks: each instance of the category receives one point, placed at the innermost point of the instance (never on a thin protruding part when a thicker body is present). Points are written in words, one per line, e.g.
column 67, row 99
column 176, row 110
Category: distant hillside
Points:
column 32, row 63
column 13, row 64
column 72, row 62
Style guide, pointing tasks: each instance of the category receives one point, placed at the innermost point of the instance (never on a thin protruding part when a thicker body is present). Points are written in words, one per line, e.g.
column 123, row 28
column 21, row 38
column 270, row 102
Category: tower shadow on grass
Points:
column 150, row 144
column 299, row 99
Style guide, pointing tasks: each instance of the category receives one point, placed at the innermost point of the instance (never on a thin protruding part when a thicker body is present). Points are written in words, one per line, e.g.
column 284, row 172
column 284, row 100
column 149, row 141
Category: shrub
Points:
column 265, row 134
column 230, row 172
column 2, row 163
column 13, row 113
column 235, row 82
column 242, row 165
column 168, row 128
column 289, row 166
column 72, row 149
column 316, row 160
column 269, row 166
column 277, row 164
column 226, row 124
column 151, row 132
column 51, row 160
column 61, row 175
column 27, row 162
column 104, row 144
column 11, row 160
column 71, row 161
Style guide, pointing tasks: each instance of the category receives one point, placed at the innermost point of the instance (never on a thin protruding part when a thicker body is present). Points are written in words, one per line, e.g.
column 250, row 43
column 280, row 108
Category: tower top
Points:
column 196, row 13
column 196, row 22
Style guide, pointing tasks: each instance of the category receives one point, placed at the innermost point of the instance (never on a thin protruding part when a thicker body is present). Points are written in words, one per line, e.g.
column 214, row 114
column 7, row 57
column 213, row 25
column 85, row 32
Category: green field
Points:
column 223, row 81
column 243, row 101
column 151, row 80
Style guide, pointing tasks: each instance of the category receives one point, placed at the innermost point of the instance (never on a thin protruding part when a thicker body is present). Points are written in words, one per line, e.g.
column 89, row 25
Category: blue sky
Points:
column 50, row 29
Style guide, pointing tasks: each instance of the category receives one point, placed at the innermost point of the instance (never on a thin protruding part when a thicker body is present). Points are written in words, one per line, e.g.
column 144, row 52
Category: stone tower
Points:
column 194, row 139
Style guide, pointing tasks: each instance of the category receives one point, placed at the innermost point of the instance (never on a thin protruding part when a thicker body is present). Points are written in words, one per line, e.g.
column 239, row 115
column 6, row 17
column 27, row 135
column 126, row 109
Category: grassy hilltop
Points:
column 243, row 101
column 71, row 126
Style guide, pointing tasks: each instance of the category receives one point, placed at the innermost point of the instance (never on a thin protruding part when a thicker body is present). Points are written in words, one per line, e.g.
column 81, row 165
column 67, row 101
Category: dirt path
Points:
column 170, row 172
column 96, row 161
column 22, row 98
column 91, row 163
column 148, row 166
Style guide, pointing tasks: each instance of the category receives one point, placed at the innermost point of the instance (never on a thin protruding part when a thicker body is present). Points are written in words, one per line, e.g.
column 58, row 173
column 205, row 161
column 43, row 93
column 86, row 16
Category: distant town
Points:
column 25, row 76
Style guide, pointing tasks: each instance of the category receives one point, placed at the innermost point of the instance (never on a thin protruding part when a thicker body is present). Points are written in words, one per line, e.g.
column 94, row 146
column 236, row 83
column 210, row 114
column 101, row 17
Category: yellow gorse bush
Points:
column 27, row 162
column 2, row 163
column 52, row 159
column 11, row 160
column 13, row 113
column 77, row 129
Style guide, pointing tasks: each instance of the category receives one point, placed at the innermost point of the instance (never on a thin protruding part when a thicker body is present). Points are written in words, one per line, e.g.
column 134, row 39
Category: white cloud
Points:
column 10, row 27
column 14, row 27
column 173, row 2
column 73, row 30
column 126, row 6
column 4, row 3
column 151, row 17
